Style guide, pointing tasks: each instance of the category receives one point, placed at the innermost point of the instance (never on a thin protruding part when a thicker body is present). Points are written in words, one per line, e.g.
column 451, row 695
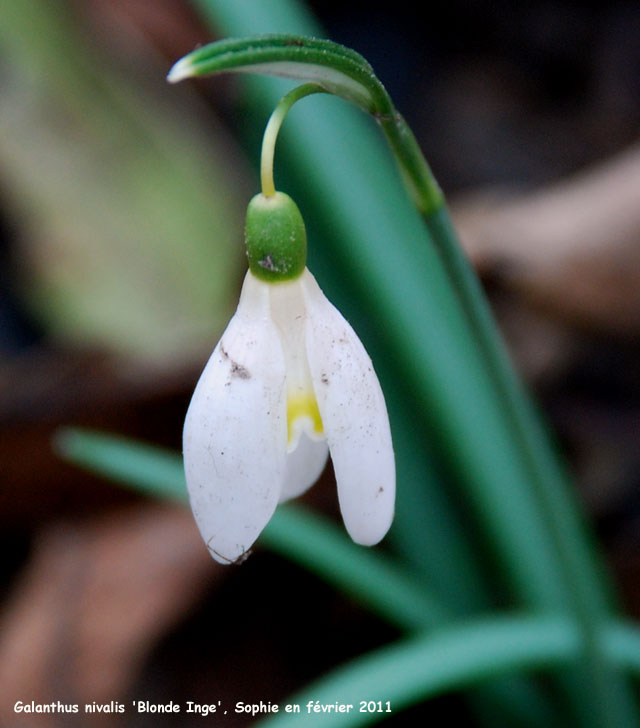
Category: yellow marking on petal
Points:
column 303, row 406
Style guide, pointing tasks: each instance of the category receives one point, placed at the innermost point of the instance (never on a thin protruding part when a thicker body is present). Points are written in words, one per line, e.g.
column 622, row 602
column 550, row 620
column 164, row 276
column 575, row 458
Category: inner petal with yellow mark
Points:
column 307, row 448
column 303, row 415
column 289, row 315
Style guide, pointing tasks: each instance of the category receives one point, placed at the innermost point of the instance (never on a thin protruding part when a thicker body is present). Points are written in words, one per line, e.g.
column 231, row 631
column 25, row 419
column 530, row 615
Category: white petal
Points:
column 304, row 466
column 235, row 432
column 354, row 416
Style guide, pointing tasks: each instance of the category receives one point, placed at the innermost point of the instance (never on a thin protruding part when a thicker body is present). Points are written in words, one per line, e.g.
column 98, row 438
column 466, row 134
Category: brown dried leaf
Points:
column 573, row 248
column 93, row 601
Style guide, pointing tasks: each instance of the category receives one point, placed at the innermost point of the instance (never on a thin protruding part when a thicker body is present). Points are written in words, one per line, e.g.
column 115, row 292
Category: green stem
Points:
column 424, row 189
column 579, row 563
column 272, row 129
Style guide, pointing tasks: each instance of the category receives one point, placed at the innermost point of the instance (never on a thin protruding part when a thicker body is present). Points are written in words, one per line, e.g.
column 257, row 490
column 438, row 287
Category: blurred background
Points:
column 121, row 213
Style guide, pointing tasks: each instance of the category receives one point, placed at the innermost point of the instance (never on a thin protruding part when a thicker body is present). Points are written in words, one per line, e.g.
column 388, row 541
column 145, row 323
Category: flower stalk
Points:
column 273, row 128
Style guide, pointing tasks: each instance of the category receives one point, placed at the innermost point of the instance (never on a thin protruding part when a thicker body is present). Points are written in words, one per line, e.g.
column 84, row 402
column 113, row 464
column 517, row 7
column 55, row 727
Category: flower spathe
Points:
column 288, row 382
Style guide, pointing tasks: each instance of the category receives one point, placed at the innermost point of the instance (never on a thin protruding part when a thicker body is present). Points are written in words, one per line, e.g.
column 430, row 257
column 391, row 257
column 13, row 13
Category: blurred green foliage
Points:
column 129, row 208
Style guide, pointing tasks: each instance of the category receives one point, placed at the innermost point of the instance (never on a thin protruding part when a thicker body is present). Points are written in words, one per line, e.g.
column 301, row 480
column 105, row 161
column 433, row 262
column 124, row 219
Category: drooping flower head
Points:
column 288, row 383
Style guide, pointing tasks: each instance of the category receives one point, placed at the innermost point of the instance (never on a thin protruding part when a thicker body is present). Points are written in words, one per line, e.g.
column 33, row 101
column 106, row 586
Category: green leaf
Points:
column 307, row 539
column 424, row 666
column 460, row 655
column 143, row 467
column 337, row 69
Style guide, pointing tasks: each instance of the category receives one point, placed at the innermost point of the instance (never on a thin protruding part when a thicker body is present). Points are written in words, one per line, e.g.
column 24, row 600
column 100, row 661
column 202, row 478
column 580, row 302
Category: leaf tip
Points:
column 180, row 70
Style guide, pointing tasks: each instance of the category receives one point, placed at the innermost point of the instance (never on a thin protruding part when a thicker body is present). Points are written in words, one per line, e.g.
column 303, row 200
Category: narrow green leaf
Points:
column 424, row 666
column 143, row 467
column 302, row 537
column 421, row 667
column 337, row 69
column 370, row 576
column 377, row 582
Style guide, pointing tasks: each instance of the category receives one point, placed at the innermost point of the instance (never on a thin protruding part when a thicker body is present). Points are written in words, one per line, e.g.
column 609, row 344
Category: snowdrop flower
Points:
column 288, row 383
